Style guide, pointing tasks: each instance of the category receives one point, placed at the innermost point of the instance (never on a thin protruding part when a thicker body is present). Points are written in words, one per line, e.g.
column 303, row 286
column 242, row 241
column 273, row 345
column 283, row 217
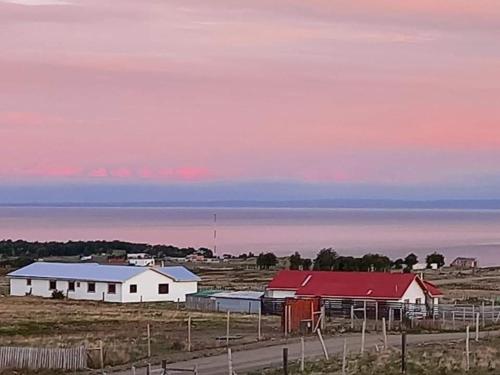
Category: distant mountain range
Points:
column 322, row 203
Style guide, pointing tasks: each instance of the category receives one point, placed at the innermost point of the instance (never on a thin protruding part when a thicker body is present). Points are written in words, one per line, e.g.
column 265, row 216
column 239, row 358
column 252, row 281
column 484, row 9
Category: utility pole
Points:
column 215, row 234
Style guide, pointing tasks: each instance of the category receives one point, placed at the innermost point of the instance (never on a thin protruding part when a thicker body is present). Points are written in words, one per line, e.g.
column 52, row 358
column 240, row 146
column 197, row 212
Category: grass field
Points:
column 437, row 358
column 31, row 321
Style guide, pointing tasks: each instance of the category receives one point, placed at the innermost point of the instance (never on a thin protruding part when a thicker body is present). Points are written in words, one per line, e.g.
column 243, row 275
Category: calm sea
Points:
column 350, row 231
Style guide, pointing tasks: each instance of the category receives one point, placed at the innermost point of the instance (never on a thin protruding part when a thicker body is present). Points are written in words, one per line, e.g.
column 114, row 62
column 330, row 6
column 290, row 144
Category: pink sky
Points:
column 352, row 91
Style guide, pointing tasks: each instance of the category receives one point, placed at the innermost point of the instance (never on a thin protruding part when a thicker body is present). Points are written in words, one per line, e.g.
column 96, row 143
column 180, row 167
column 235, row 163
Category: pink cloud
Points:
column 99, row 172
column 121, row 172
column 322, row 90
column 191, row 174
column 26, row 119
column 47, row 171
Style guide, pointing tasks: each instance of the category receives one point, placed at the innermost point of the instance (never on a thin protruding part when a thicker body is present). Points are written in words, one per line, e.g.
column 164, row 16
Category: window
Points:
column 91, row 287
column 111, row 288
column 71, row 286
column 162, row 288
column 133, row 288
column 28, row 282
column 52, row 284
column 418, row 301
column 77, row 284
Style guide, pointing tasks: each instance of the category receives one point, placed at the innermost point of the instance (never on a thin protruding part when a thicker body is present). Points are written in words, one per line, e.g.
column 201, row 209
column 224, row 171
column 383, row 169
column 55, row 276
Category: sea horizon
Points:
column 350, row 231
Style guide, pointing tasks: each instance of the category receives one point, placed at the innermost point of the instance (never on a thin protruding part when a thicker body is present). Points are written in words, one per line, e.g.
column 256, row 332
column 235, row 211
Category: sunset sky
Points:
column 326, row 96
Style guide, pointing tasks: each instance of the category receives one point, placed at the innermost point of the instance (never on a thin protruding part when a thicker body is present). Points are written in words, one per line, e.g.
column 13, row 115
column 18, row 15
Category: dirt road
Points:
column 256, row 359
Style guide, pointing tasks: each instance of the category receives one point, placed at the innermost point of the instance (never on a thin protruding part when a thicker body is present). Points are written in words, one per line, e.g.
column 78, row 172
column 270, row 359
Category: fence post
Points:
column 363, row 330
column 482, row 314
column 364, row 310
column 149, row 340
column 352, row 316
column 302, row 354
column 133, row 370
column 467, row 349
column 259, row 324
column 323, row 317
column 286, row 320
column 492, row 309
column 403, row 352
column 320, row 336
column 376, row 315
column 384, row 332
column 230, row 361
column 391, row 317
column 477, row 327
column 189, row 333
column 285, row 361
column 101, row 355
column 344, row 358
column 227, row 328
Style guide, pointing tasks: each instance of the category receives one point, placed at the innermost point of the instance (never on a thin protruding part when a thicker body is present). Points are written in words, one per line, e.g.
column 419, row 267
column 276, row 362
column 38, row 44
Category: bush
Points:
column 57, row 294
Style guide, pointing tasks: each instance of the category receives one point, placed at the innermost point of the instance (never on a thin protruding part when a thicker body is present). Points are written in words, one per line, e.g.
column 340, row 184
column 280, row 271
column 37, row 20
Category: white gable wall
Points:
column 414, row 292
column 147, row 288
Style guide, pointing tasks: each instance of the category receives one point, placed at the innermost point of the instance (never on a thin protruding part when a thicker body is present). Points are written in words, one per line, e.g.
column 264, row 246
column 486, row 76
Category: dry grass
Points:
column 442, row 359
column 31, row 321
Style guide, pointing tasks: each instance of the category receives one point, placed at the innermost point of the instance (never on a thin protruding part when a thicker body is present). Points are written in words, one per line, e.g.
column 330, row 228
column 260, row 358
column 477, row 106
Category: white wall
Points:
column 141, row 262
column 280, row 293
column 413, row 292
column 147, row 288
column 40, row 288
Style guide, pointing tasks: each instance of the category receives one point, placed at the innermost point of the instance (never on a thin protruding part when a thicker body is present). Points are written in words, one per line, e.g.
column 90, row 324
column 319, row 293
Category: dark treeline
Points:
column 21, row 252
column 329, row 260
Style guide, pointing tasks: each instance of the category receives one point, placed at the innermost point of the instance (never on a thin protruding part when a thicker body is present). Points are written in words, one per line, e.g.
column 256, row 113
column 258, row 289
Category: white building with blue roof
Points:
column 109, row 283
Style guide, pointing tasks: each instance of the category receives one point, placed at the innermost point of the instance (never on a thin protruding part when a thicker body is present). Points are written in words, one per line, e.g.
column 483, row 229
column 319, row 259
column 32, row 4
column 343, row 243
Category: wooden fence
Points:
column 43, row 358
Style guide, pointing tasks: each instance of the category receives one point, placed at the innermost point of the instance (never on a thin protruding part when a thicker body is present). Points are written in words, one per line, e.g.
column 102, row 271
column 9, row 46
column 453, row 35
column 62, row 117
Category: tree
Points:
column 347, row 263
column 375, row 262
column 398, row 264
column 411, row 260
column 295, row 261
column 306, row 264
column 266, row 261
column 325, row 260
column 435, row 258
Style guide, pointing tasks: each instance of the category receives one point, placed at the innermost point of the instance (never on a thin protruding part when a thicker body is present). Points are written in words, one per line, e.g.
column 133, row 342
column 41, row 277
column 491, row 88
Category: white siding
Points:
column 147, row 288
column 414, row 292
column 280, row 293
column 40, row 288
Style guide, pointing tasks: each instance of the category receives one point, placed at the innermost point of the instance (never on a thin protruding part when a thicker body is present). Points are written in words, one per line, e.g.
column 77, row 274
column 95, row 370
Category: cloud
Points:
column 37, row 2
column 26, row 119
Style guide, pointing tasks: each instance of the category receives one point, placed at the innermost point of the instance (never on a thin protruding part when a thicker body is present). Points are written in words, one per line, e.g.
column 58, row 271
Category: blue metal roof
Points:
column 78, row 271
column 249, row 295
column 178, row 273
column 96, row 272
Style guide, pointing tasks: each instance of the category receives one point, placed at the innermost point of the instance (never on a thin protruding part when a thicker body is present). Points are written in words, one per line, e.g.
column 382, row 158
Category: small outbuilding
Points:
column 248, row 302
column 464, row 263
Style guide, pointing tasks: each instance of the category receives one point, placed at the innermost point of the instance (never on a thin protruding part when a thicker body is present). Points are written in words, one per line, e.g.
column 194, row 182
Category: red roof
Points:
column 372, row 285
column 432, row 289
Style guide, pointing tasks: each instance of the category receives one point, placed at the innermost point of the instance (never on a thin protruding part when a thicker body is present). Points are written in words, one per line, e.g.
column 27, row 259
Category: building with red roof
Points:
column 404, row 288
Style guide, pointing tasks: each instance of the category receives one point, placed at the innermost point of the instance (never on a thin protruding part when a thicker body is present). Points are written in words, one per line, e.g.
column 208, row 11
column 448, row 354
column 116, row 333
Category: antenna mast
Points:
column 215, row 234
